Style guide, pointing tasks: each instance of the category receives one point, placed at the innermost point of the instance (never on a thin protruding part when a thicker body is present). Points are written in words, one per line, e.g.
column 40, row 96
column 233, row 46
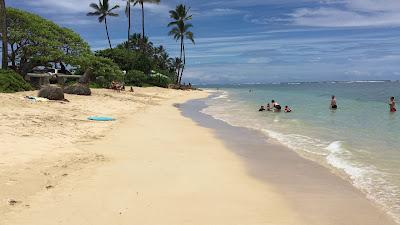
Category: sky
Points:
column 258, row 41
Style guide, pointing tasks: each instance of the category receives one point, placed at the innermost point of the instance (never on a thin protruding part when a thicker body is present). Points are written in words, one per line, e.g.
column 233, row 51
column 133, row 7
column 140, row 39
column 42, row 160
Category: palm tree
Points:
column 3, row 30
column 141, row 2
column 128, row 14
column 177, row 64
column 103, row 10
column 181, row 31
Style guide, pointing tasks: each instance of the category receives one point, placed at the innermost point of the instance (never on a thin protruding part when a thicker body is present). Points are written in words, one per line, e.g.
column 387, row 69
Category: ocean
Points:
column 360, row 141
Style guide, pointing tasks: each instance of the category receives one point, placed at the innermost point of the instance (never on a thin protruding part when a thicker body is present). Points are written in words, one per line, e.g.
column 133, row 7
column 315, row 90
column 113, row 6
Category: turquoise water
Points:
column 360, row 141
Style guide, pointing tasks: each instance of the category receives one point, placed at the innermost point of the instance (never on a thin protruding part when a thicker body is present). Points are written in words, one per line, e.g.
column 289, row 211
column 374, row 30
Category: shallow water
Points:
column 360, row 140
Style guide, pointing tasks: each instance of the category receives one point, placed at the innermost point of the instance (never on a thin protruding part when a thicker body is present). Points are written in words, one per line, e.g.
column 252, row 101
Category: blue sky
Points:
column 259, row 41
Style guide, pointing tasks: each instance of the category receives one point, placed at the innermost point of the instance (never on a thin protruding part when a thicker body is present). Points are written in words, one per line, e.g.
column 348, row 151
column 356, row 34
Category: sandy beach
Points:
column 155, row 166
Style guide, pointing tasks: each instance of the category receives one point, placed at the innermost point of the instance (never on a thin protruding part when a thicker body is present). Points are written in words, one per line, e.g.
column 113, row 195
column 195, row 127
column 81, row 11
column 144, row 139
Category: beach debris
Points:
column 51, row 92
column 78, row 89
column 49, row 187
column 65, row 174
column 35, row 99
column 13, row 202
column 101, row 118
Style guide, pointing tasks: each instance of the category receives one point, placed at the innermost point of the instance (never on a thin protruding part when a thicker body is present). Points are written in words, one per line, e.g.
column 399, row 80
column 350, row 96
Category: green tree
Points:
column 102, row 10
column 3, row 30
column 181, row 31
column 128, row 60
column 104, row 69
column 136, row 78
column 141, row 3
column 35, row 41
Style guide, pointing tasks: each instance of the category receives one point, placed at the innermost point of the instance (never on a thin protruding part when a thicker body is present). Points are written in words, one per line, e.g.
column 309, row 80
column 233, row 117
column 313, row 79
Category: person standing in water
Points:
column 392, row 105
column 333, row 102
column 276, row 106
column 268, row 107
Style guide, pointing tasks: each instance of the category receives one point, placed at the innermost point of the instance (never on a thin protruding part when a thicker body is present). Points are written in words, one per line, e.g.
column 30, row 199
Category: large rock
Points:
column 78, row 89
column 85, row 79
column 51, row 92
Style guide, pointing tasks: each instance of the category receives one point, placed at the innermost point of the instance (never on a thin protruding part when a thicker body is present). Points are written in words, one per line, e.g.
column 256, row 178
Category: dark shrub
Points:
column 135, row 78
column 11, row 82
column 101, row 67
column 159, row 81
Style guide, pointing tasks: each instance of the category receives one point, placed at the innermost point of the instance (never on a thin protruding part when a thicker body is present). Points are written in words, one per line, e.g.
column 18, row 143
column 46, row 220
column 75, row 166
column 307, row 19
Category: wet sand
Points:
column 320, row 196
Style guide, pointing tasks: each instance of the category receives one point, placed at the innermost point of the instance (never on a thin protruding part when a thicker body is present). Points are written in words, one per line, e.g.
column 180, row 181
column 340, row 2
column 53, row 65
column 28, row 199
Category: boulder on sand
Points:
column 51, row 92
column 78, row 89
column 81, row 88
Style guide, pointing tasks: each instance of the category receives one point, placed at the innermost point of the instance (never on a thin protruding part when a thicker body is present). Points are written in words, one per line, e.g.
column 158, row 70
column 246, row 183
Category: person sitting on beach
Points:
column 276, row 106
column 131, row 90
column 113, row 84
column 261, row 109
column 268, row 107
column 333, row 102
column 287, row 109
column 392, row 105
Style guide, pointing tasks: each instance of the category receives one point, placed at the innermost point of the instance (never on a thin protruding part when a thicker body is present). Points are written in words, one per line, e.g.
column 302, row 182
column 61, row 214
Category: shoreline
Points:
column 334, row 195
column 145, row 170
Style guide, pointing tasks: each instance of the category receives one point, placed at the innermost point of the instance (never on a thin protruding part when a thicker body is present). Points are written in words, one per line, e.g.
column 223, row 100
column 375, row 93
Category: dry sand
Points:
column 152, row 166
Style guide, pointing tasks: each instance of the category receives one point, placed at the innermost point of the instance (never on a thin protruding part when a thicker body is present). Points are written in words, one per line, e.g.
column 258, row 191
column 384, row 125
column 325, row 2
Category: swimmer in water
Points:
column 333, row 102
column 268, row 107
column 287, row 109
column 261, row 109
column 276, row 106
column 392, row 105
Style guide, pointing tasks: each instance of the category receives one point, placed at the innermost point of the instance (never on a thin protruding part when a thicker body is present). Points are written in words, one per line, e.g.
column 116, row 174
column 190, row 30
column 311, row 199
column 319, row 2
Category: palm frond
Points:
column 172, row 23
column 113, row 14
column 93, row 14
column 94, row 6
column 102, row 18
column 189, row 35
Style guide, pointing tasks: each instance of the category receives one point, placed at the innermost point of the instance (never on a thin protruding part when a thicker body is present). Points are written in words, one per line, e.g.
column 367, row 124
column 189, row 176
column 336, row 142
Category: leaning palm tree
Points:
column 128, row 14
column 180, row 32
column 141, row 3
column 3, row 30
column 103, row 10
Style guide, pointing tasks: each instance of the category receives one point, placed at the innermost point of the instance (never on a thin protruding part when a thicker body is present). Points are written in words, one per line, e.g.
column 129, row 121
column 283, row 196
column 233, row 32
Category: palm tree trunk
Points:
column 179, row 76
column 142, row 19
column 129, row 19
column 184, row 63
column 108, row 36
column 3, row 29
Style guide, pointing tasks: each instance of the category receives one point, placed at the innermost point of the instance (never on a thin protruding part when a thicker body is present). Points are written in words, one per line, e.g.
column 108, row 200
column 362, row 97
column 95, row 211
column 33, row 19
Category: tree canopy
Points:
column 35, row 41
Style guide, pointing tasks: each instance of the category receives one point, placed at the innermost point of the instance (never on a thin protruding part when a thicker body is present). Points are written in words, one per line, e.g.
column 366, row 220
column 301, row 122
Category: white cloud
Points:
column 82, row 6
column 350, row 13
column 259, row 60
column 218, row 12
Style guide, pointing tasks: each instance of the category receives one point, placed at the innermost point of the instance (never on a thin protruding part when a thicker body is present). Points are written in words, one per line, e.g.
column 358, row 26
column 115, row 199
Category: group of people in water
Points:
column 275, row 107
